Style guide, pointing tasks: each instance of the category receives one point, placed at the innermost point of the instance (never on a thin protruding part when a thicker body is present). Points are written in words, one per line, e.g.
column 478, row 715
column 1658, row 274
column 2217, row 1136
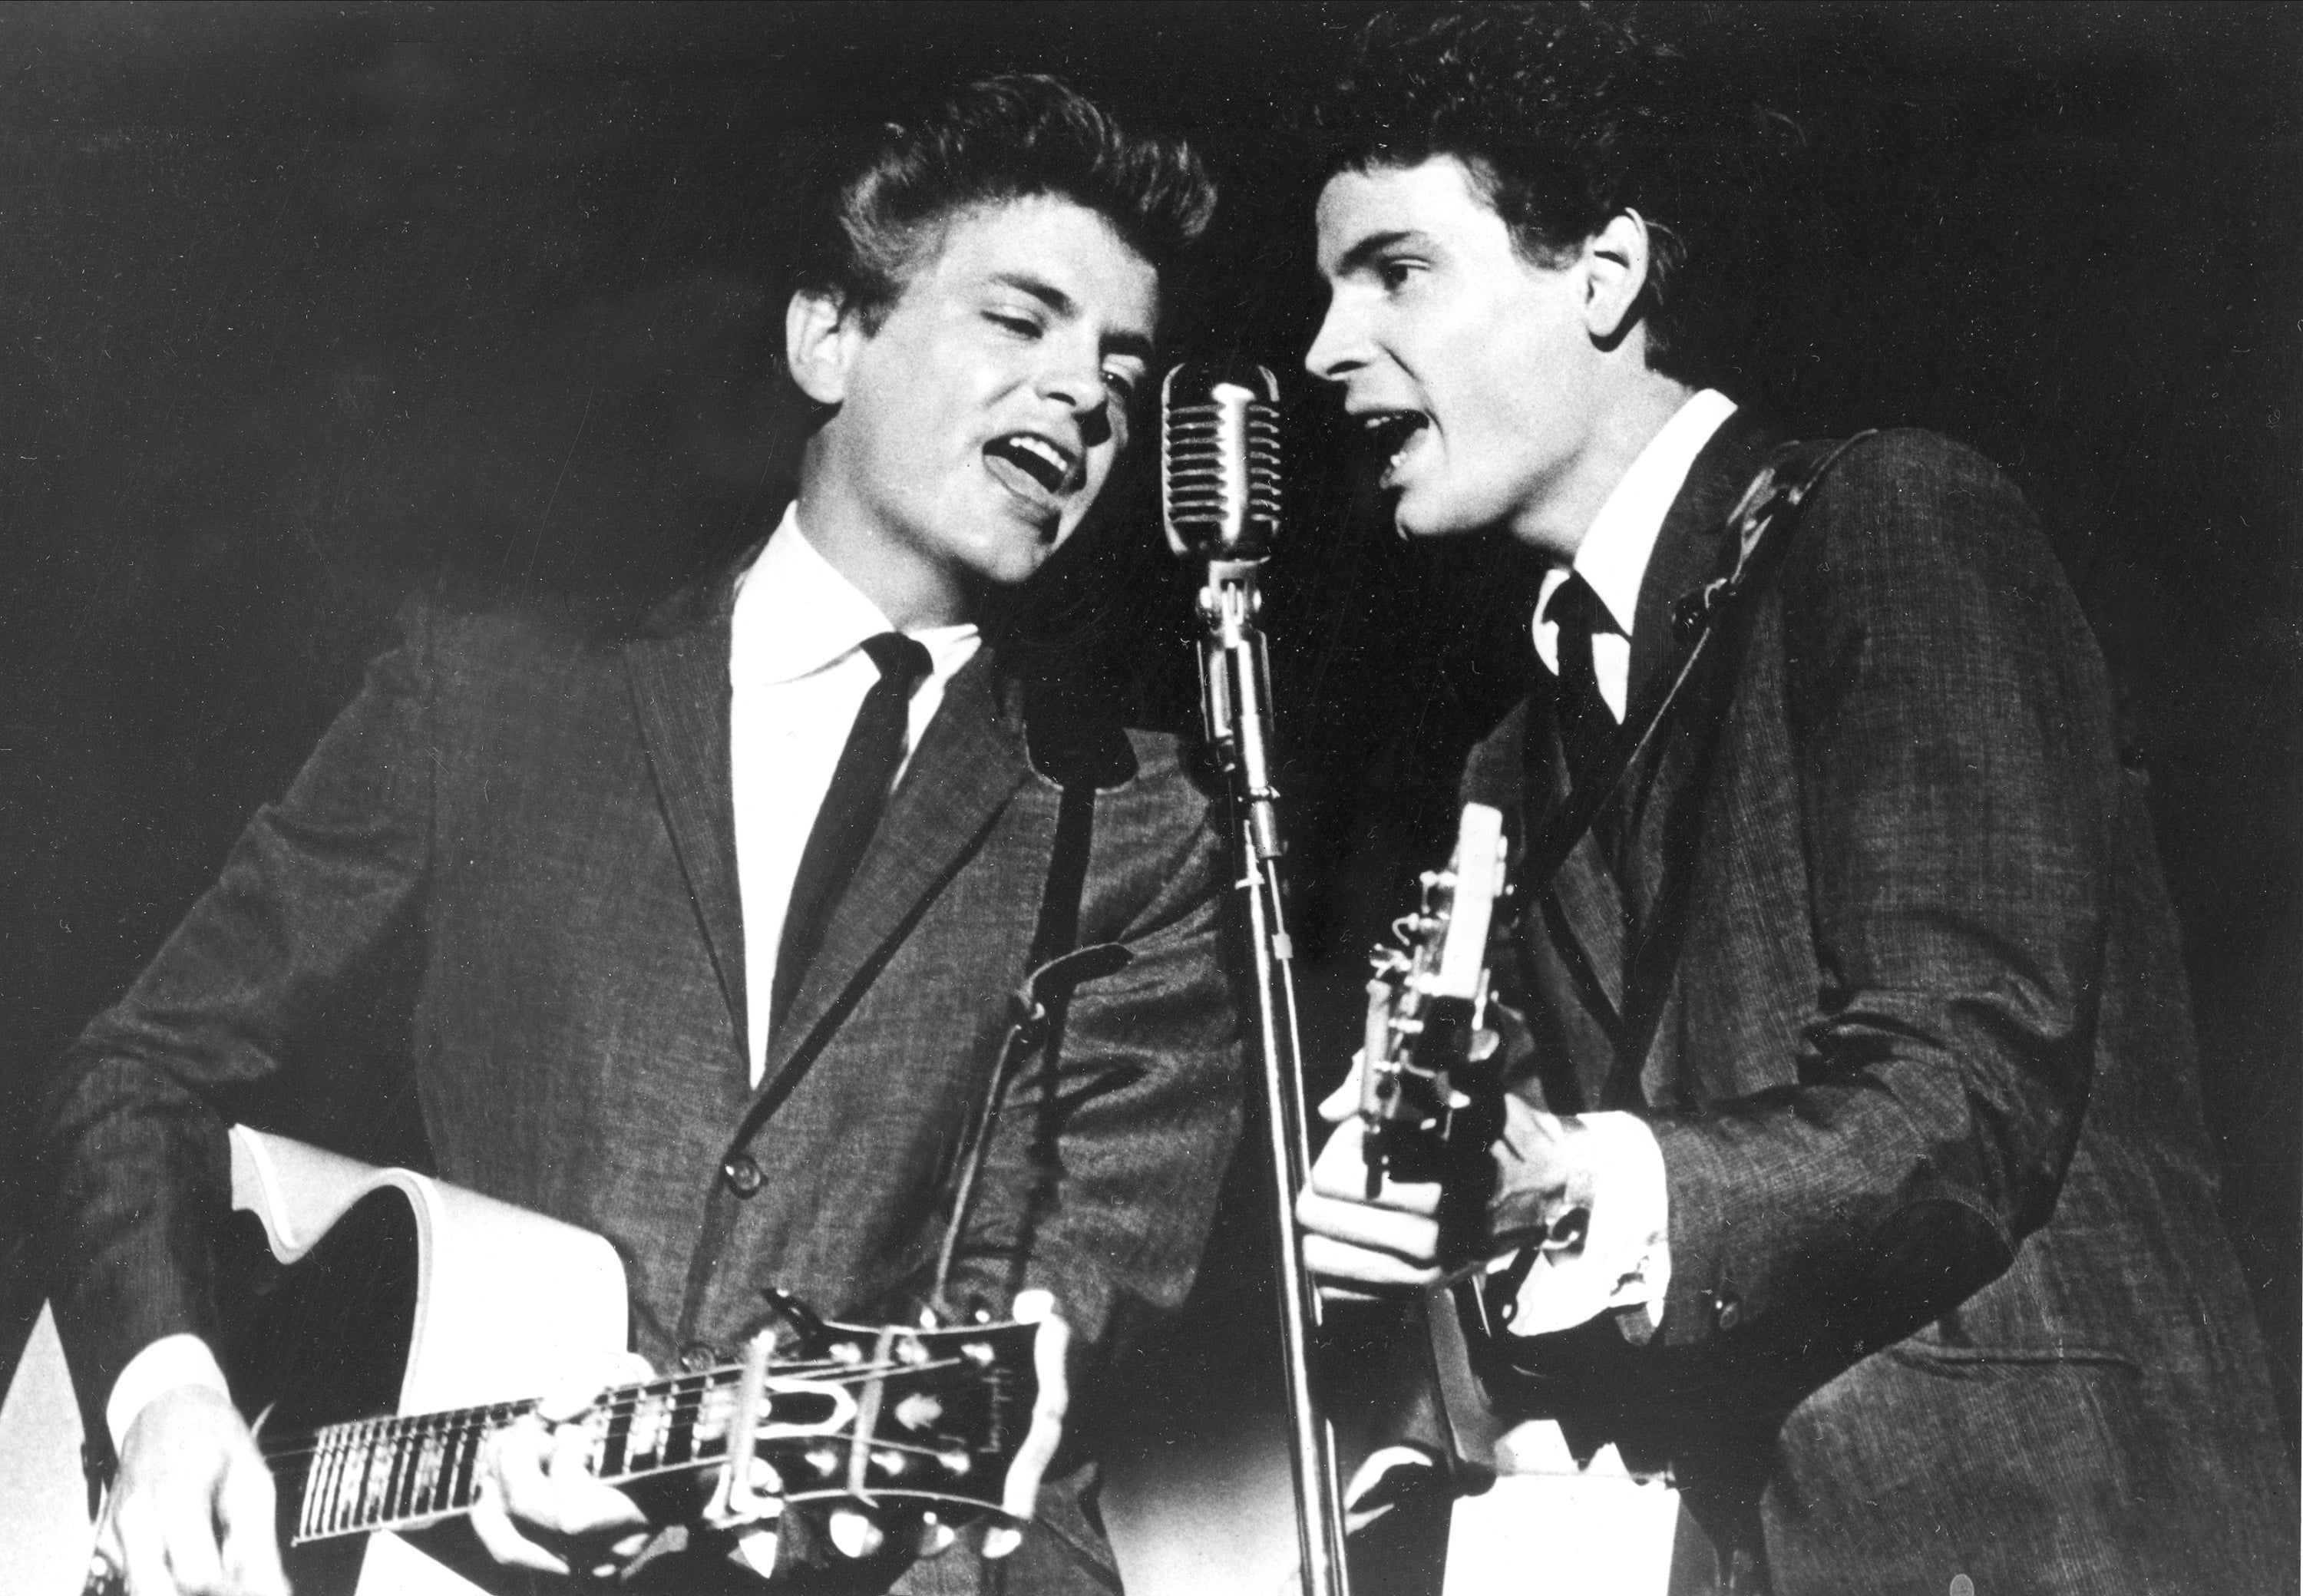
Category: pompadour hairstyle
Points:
column 1011, row 137
column 1563, row 119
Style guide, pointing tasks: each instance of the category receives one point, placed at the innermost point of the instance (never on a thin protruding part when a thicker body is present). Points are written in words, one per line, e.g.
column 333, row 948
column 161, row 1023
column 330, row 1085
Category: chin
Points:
column 1008, row 566
column 1418, row 523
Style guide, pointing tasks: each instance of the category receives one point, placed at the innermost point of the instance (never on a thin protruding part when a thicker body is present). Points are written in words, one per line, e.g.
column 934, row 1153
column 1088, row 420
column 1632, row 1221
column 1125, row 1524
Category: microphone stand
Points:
column 1235, row 692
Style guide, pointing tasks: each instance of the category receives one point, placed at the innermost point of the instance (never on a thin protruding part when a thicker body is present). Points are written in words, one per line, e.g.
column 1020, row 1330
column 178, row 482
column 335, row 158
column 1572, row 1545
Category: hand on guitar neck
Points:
column 1362, row 1243
column 1433, row 1169
column 537, row 1490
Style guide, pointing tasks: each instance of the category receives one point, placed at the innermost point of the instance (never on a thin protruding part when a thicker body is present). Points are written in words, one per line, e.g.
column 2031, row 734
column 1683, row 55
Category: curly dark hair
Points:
column 1010, row 137
column 1563, row 119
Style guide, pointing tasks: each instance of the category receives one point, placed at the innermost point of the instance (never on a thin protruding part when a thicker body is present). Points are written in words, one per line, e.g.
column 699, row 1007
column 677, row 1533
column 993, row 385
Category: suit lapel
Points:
column 1599, row 913
column 678, row 678
column 1691, row 549
column 969, row 761
column 1667, row 796
column 1687, row 550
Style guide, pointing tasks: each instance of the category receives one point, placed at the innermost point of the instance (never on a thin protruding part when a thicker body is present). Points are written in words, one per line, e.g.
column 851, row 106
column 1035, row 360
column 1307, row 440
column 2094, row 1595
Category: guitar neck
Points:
column 388, row 1473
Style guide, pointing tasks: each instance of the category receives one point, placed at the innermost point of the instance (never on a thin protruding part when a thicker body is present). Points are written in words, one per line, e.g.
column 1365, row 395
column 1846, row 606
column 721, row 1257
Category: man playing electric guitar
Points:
column 712, row 927
column 1850, row 1097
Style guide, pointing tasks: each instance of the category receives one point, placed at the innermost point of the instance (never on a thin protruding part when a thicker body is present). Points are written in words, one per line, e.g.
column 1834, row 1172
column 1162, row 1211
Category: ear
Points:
column 819, row 343
column 1615, row 275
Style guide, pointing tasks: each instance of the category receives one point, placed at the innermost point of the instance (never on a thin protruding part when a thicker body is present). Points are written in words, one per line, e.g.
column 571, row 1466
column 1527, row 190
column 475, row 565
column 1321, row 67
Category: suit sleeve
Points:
column 1948, row 727
column 313, row 891
column 1102, row 1171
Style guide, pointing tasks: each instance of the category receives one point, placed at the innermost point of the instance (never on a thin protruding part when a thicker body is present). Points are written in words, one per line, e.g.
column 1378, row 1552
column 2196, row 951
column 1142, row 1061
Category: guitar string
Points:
column 396, row 1504
column 719, row 1401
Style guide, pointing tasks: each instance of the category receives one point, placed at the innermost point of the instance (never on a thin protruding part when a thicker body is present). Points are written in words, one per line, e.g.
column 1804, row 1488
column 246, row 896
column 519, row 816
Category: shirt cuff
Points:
column 1621, row 1261
column 170, row 1361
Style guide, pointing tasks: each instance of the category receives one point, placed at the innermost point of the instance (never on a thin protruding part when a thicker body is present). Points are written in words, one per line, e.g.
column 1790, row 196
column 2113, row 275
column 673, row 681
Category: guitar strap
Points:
column 1762, row 523
column 1037, row 1006
column 1773, row 501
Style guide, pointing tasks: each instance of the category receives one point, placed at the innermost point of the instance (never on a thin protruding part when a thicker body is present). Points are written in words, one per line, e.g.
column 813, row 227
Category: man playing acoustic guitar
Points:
column 1851, row 1164
column 709, row 931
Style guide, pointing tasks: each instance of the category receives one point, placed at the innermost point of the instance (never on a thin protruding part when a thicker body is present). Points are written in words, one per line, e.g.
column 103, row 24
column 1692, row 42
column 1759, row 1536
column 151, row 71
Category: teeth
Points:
column 1392, row 430
column 1048, row 465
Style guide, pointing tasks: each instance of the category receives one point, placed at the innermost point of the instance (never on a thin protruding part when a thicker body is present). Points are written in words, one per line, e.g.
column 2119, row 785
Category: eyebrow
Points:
column 1360, row 254
column 1056, row 299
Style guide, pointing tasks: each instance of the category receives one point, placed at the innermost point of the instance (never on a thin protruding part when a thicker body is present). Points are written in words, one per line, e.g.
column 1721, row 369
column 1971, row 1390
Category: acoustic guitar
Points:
column 401, row 1321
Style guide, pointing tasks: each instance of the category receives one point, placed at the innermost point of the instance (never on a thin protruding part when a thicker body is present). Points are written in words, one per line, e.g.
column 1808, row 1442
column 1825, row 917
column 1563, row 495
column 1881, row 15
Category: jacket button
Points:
column 696, row 1357
column 742, row 1174
column 1727, row 1311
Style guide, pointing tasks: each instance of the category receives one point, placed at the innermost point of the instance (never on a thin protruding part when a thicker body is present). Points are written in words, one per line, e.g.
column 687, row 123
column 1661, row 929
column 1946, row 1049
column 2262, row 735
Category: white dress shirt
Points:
column 1624, row 1260
column 798, row 674
column 1613, row 557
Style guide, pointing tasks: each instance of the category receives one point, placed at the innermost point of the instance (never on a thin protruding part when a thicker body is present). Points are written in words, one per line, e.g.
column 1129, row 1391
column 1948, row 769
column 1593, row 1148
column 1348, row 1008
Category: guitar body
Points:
column 403, row 1294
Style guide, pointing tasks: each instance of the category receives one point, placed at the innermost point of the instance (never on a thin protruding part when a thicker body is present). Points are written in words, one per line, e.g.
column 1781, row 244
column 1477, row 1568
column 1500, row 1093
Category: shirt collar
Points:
column 796, row 614
column 1614, row 554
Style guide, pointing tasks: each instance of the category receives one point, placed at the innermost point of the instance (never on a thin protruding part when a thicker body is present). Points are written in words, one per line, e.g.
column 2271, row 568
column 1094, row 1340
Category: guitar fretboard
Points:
column 395, row 1473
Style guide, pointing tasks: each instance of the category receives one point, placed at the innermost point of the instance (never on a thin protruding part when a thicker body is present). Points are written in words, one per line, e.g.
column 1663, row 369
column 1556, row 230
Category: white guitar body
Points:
column 507, row 1303
column 1560, row 1529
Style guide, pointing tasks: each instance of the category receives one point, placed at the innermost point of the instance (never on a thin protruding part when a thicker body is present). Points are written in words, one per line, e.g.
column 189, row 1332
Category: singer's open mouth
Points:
column 1053, row 468
column 1391, row 431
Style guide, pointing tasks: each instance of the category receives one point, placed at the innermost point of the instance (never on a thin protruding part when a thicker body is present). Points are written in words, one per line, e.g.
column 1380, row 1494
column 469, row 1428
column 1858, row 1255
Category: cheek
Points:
column 1099, row 462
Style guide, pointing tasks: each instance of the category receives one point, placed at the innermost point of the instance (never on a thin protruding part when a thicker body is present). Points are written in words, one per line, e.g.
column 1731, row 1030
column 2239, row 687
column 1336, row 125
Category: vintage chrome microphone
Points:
column 1219, row 502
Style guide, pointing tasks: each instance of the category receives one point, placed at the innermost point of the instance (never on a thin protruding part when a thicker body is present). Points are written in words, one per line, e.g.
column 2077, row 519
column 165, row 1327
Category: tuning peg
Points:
column 918, row 1411
column 854, row 1535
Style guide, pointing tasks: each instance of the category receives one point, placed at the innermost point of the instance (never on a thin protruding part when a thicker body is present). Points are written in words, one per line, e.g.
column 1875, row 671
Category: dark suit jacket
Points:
column 540, row 824
column 1885, row 958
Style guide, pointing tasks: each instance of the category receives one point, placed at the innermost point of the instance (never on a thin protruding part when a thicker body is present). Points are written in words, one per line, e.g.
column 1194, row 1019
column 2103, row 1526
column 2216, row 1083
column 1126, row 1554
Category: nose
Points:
column 1339, row 348
column 1073, row 378
column 1071, row 375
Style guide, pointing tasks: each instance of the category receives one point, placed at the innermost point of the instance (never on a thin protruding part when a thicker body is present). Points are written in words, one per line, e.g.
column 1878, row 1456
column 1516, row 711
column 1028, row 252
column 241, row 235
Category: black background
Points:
column 305, row 307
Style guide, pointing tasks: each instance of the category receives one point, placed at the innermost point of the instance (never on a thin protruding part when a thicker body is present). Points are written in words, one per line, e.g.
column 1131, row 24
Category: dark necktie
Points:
column 1585, row 725
column 851, row 809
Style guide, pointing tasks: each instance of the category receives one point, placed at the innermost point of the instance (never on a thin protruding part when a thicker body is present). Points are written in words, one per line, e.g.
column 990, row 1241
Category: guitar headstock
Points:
column 1428, row 1102
column 891, row 1415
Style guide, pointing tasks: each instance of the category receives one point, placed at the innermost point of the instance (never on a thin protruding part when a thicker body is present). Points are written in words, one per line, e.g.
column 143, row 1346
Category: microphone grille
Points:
column 1219, row 461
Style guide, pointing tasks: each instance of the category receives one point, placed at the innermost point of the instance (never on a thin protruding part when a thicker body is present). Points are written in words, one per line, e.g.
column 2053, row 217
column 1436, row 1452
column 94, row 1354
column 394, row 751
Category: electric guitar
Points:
column 413, row 1320
column 1431, row 1101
